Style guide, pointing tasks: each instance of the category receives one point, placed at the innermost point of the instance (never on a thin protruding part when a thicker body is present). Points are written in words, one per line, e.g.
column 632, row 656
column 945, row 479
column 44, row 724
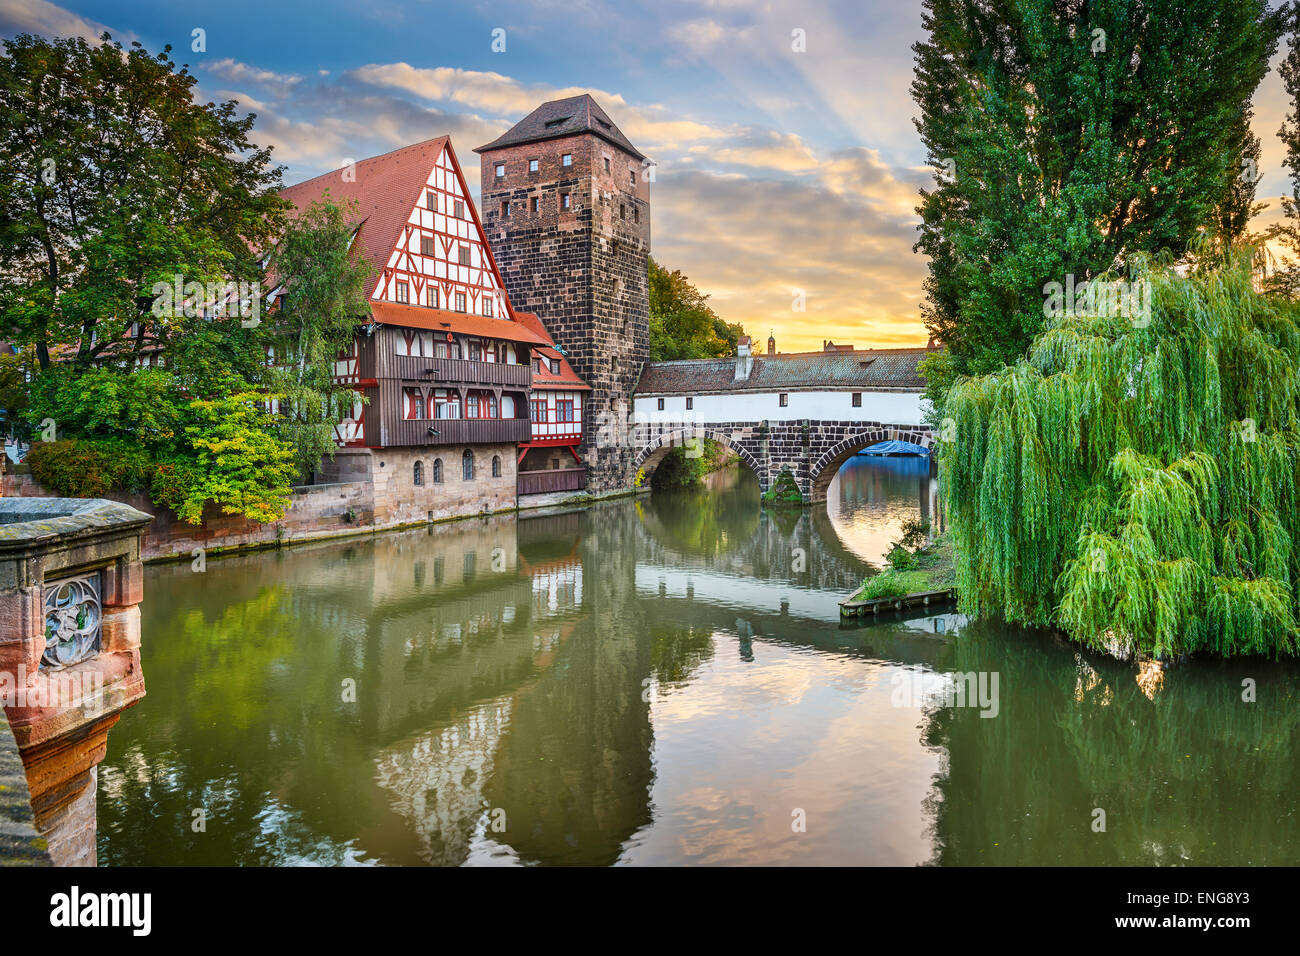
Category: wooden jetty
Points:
column 852, row 608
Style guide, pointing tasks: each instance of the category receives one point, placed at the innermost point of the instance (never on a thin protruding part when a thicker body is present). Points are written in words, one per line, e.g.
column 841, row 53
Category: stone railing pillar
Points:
column 71, row 583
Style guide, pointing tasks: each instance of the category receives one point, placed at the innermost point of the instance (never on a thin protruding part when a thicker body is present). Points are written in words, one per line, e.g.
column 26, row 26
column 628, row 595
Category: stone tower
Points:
column 565, row 201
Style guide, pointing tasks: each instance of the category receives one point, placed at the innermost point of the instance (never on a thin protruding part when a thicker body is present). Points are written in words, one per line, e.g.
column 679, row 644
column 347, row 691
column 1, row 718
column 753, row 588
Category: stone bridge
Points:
column 811, row 450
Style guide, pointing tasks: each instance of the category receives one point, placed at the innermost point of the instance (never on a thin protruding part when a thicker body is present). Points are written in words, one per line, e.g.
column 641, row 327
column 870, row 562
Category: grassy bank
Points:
column 915, row 565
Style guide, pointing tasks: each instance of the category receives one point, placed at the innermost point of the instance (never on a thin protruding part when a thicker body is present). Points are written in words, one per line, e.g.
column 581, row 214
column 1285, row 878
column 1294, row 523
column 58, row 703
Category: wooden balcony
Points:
column 550, row 480
column 454, row 431
column 455, row 372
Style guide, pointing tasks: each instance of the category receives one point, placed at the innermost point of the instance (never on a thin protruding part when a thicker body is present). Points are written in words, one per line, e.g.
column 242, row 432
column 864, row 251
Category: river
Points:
column 665, row 681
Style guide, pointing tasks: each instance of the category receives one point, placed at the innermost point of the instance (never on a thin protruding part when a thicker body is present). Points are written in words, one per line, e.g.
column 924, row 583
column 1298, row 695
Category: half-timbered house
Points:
column 443, row 360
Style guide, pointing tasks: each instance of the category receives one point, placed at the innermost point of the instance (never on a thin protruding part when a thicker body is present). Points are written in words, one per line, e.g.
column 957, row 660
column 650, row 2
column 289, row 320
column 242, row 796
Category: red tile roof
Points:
column 385, row 188
column 567, row 377
column 441, row 320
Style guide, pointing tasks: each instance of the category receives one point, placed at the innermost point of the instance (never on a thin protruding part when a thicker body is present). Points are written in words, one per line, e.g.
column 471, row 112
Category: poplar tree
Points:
column 1068, row 137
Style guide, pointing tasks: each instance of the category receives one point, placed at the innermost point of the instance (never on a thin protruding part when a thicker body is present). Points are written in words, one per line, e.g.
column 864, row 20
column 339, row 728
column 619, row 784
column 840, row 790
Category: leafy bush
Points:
column 239, row 463
column 144, row 406
column 784, row 490
column 88, row 468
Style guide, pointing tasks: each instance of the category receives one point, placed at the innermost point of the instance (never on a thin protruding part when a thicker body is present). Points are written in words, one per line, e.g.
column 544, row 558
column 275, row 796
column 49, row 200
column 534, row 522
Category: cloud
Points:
column 46, row 19
column 236, row 72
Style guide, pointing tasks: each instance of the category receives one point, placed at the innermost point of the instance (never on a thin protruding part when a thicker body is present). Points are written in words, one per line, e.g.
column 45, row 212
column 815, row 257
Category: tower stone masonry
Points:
column 565, row 202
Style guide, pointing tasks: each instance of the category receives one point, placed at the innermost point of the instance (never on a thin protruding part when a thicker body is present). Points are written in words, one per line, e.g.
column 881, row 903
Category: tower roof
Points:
column 559, row 118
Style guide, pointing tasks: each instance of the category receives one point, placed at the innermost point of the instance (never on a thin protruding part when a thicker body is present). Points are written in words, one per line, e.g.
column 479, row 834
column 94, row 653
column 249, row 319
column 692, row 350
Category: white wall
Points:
column 893, row 408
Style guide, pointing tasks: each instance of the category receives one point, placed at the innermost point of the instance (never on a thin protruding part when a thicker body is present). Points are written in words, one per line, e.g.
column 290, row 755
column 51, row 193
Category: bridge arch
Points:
column 649, row 457
column 825, row 467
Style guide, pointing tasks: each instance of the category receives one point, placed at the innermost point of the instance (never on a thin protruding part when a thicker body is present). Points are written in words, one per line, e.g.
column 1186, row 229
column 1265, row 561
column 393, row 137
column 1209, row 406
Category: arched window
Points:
column 496, row 466
column 467, row 465
column 437, row 471
column 418, row 473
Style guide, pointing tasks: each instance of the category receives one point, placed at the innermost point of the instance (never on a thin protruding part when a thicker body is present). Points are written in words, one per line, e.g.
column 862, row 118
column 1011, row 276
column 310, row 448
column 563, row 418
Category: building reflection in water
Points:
column 653, row 681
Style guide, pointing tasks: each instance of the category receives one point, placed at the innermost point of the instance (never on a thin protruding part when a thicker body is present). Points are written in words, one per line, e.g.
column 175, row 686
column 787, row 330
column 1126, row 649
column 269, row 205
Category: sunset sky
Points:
column 776, row 170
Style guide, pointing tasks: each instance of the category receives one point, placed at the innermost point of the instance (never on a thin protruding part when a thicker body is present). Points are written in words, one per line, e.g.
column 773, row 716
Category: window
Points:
column 555, row 366
column 402, row 292
column 622, row 210
column 501, row 170
column 566, row 159
column 418, row 473
column 471, row 406
column 476, row 351
column 496, row 466
column 505, row 210
column 432, row 293
column 606, row 164
column 414, row 402
column 487, row 307
column 857, row 399
column 690, row 402
column 426, row 245
column 661, row 404
column 464, row 254
column 631, row 175
column 538, row 409
column 460, row 209
column 564, row 201
column 564, row 410
column 535, row 204
column 532, row 165
column 431, row 200
column 467, row 465
column 446, row 404
column 437, row 471
column 636, row 213
column 492, row 407
column 784, row 399
column 460, row 301
column 537, row 365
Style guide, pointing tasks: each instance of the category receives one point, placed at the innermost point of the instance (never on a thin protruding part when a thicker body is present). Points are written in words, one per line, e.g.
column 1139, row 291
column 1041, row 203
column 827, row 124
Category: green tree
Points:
column 1134, row 484
column 1287, row 232
column 1072, row 136
column 114, row 178
column 230, row 457
column 323, row 302
column 682, row 324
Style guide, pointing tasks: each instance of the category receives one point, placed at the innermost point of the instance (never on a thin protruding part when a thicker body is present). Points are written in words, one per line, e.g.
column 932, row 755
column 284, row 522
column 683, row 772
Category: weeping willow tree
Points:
column 1132, row 480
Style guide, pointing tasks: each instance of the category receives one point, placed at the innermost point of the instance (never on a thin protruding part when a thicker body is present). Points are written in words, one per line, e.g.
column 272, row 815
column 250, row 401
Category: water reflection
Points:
column 658, row 681
column 873, row 495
